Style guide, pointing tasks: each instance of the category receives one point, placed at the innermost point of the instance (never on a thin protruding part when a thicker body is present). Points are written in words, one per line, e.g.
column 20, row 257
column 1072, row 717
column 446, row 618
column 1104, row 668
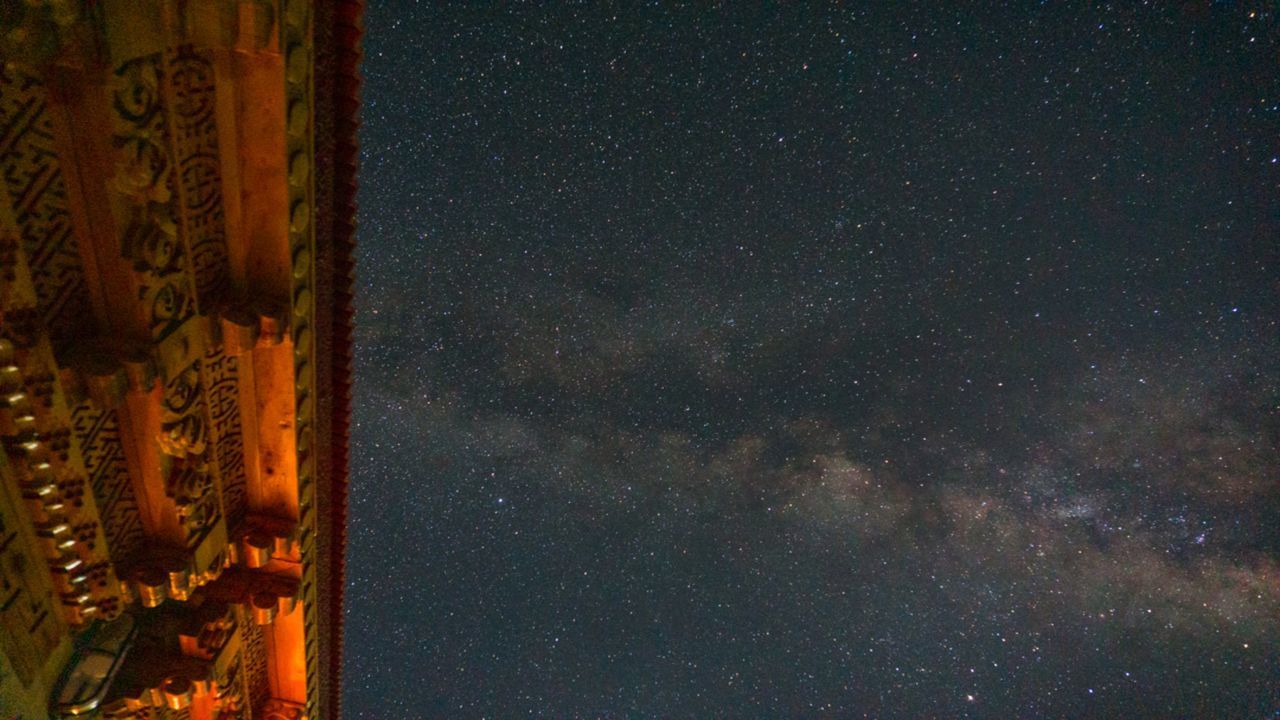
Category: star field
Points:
column 768, row 363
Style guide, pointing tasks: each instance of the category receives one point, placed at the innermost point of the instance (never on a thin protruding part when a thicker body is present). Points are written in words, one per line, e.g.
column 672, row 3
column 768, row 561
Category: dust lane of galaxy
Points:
column 879, row 362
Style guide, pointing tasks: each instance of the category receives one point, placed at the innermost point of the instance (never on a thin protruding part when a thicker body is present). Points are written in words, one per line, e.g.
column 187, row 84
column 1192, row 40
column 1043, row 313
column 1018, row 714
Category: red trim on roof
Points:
column 338, row 56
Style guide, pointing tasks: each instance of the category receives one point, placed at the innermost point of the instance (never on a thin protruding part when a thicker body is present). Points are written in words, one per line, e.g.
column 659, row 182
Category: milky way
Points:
column 759, row 364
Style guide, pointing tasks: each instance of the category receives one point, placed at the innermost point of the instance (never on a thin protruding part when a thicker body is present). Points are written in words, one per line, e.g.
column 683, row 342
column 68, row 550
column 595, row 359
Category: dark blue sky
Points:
column 883, row 362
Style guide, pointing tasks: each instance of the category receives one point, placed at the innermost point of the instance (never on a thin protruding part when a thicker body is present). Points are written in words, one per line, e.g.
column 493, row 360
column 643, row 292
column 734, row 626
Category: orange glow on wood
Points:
column 286, row 643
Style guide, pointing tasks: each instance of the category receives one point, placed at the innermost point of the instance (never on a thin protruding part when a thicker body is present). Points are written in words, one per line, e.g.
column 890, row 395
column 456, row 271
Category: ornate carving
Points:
column 182, row 424
column 29, row 629
column 37, row 194
column 98, row 434
column 191, row 87
column 153, row 246
column 78, row 501
column 158, row 99
column 44, row 462
column 222, row 394
column 46, row 467
column 144, row 175
column 187, row 484
column 31, row 624
column 191, row 488
column 143, row 163
column 184, row 421
column 296, row 40
column 229, row 694
column 254, row 657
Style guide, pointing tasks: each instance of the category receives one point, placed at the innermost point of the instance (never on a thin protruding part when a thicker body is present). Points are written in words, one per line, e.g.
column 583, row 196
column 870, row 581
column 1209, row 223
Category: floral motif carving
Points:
column 144, row 175
column 199, row 181
column 182, row 424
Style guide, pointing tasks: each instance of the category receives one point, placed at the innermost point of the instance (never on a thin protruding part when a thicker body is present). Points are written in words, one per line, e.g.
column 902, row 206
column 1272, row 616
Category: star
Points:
column 732, row 304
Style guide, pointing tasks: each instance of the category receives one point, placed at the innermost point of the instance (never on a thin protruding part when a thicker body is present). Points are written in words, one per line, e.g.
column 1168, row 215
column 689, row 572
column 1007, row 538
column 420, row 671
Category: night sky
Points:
column 887, row 362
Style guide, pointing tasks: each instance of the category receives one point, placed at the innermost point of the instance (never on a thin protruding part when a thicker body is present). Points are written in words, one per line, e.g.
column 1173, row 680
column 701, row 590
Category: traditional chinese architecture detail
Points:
column 144, row 176
column 31, row 625
column 191, row 80
column 98, row 433
column 183, row 432
column 175, row 240
column 254, row 657
column 223, row 394
column 44, row 464
column 297, row 32
column 37, row 193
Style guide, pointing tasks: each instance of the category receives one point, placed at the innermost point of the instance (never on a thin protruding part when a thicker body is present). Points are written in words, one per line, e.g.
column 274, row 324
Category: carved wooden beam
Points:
column 165, row 386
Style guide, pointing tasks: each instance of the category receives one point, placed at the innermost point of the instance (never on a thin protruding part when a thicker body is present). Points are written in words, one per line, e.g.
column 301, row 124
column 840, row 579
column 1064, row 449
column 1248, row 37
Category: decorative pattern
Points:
column 43, row 458
column 29, row 626
column 185, row 437
column 195, row 137
column 153, row 427
column 177, row 244
column 221, row 372
column 38, row 197
column 254, row 656
column 98, row 434
column 182, row 425
column 299, row 65
column 230, row 690
column 144, row 175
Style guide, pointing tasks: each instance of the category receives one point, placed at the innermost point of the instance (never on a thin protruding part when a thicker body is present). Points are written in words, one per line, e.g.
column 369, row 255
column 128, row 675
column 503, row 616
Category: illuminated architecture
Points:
column 176, row 187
